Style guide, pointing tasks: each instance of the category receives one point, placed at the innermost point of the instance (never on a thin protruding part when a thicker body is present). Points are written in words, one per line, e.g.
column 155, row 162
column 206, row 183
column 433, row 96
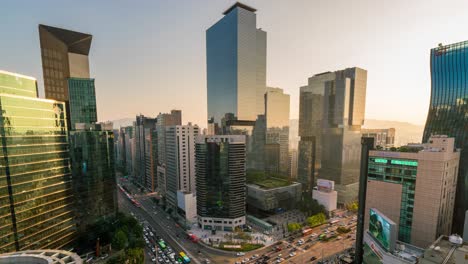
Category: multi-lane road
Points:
column 176, row 237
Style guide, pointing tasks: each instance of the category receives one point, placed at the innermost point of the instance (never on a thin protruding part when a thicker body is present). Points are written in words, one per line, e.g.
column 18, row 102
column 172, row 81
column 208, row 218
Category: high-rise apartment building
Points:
column 180, row 161
column 236, row 65
column 36, row 197
column 331, row 114
column 448, row 112
column 93, row 171
column 220, row 181
column 415, row 189
column 65, row 66
column 277, row 131
column 383, row 138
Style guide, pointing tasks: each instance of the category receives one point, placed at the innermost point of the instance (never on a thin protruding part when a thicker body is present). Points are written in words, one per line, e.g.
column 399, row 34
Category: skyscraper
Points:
column 180, row 161
column 220, row 182
column 36, row 198
column 82, row 100
column 236, row 65
column 277, row 130
column 331, row 114
column 448, row 112
column 141, row 168
column 65, row 66
column 93, row 172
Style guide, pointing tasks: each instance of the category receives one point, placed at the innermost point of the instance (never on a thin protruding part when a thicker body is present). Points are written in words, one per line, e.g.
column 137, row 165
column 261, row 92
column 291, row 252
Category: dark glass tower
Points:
column 94, row 184
column 82, row 99
column 220, row 182
column 448, row 112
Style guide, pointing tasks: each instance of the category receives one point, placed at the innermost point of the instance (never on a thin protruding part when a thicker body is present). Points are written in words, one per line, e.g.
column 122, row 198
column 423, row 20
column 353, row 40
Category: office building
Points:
column 82, row 100
column 415, row 189
column 142, row 173
column 125, row 144
column 36, row 197
column 220, row 182
column 65, row 66
column 187, row 207
column 236, row 65
column 94, row 183
column 165, row 120
column 180, row 161
column 293, row 164
column 448, row 112
column 277, row 130
column 332, row 108
column 383, row 138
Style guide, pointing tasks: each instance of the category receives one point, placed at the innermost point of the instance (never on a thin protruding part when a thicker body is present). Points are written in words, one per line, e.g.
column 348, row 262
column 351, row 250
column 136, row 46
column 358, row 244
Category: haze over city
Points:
column 227, row 132
column 150, row 57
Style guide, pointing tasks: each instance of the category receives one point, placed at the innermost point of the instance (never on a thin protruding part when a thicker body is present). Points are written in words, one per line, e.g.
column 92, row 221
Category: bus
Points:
column 307, row 231
column 322, row 236
column 162, row 245
column 185, row 258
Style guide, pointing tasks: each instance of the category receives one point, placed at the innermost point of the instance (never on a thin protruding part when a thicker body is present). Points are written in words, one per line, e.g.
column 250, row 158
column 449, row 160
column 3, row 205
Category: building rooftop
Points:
column 443, row 251
column 45, row 256
column 238, row 4
column 76, row 42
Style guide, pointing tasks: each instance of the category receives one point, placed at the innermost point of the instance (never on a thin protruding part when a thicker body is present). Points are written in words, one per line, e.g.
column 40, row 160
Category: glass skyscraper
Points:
column 82, row 100
column 220, row 181
column 94, row 183
column 331, row 113
column 448, row 112
column 35, row 180
column 236, row 65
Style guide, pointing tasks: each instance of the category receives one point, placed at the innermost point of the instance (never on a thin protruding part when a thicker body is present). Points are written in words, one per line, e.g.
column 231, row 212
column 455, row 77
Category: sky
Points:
column 149, row 56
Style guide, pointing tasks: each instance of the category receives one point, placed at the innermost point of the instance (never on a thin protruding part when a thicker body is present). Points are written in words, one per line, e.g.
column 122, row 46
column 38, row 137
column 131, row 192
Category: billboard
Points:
column 325, row 185
column 382, row 229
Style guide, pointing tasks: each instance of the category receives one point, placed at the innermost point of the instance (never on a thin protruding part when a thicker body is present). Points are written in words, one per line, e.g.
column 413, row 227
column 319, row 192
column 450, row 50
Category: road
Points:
column 176, row 237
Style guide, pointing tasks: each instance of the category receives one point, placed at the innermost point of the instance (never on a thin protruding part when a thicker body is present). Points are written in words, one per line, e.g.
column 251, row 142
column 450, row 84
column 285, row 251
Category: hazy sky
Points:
column 149, row 56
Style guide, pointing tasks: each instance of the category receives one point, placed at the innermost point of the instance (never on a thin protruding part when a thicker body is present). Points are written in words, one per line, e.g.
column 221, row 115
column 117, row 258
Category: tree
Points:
column 353, row 206
column 316, row 220
column 294, row 227
column 135, row 255
column 120, row 240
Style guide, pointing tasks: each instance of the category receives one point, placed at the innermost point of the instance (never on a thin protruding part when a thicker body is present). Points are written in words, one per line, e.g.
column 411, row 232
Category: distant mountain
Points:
column 404, row 132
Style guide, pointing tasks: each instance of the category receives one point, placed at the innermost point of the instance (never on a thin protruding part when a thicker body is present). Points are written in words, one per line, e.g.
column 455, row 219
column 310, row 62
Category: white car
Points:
column 240, row 253
column 151, row 234
column 292, row 254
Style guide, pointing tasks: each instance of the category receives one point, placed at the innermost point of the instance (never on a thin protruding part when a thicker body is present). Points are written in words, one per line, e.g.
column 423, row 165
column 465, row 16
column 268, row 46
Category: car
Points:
column 255, row 255
column 313, row 258
column 280, row 255
column 104, row 256
column 313, row 235
column 240, row 254
column 246, row 259
column 292, row 254
column 151, row 233
column 238, row 262
column 153, row 259
column 153, row 250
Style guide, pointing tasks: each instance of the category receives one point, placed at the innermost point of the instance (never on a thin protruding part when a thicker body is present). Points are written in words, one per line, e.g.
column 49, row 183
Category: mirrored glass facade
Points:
column 82, row 100
column 332, row 108
column 236, row 65
column 35, row 179
column 94, row 183
column 448, row 112
column 220, row 182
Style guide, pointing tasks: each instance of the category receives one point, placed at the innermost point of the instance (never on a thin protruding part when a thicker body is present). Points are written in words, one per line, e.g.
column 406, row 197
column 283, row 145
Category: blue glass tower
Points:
column 448, row 112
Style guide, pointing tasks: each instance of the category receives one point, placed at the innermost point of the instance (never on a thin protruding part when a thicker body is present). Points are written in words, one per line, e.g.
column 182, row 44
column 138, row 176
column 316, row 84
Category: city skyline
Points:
column 394, row 64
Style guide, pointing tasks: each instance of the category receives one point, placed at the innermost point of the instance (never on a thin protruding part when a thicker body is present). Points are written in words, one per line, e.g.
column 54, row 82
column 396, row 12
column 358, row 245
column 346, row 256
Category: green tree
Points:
column 294, row 227
column 135, row 255
column 353, row 206
column 120, row 240
column 316, row 220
